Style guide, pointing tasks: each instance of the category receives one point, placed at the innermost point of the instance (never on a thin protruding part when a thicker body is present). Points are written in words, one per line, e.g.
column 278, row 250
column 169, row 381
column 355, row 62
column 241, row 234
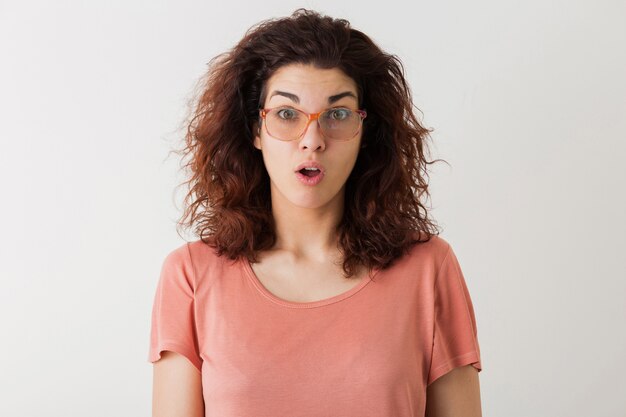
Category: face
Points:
column 311, row 90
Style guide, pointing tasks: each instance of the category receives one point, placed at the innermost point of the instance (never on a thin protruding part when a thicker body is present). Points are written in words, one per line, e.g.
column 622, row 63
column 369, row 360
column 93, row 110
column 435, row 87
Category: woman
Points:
column 319, row 286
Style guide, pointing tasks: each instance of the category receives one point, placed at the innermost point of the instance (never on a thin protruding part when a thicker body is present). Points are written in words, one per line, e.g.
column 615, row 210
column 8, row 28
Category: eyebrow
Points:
column 296, row 99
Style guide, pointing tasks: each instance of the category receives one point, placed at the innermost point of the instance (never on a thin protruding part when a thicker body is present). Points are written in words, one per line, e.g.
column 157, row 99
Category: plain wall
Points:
column 527, row 101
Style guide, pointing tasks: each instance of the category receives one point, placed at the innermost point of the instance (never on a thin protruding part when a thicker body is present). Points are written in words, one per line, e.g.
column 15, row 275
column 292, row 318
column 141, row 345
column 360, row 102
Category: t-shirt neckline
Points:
column 249, row 272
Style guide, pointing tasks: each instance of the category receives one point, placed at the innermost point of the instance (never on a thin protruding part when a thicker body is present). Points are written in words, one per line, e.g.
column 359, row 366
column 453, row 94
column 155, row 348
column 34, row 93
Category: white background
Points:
column 528, row 103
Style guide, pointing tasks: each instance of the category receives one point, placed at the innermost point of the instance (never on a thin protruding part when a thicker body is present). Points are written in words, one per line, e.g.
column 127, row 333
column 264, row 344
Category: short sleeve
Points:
column 173, row 312
column 455, row 337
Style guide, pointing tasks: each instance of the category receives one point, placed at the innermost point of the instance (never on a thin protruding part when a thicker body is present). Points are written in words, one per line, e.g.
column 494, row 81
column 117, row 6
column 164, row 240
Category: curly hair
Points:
column 228, row 203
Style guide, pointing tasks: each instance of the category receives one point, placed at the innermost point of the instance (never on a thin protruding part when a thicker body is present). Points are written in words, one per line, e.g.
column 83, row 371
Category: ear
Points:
column 257, row 135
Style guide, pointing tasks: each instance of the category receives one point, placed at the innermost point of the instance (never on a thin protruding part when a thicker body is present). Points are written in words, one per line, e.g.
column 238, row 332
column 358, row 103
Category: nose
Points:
column 312, row 137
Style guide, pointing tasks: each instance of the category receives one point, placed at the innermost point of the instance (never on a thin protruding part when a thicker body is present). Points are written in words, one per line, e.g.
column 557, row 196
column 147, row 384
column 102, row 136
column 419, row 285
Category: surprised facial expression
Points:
column 311, row 90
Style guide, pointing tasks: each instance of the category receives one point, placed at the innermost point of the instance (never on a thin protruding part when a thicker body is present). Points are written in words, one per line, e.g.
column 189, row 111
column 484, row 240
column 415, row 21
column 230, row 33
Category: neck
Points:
column 307, row 233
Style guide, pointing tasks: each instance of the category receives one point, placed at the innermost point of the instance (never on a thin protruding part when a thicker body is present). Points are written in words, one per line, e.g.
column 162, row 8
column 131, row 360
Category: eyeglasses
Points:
column 337, row 123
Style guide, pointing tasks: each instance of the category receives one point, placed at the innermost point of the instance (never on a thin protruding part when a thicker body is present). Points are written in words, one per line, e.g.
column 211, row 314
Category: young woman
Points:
column 318, row 285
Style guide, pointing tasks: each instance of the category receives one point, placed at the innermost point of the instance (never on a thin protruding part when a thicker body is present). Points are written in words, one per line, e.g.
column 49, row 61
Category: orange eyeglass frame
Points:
column 314, row 116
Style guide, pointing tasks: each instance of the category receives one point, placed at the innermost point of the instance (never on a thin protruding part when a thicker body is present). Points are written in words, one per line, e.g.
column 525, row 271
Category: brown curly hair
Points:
column 228, row 200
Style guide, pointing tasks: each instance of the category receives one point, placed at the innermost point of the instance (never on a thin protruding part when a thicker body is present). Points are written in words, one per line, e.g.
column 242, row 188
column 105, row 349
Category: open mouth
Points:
column 309, row 172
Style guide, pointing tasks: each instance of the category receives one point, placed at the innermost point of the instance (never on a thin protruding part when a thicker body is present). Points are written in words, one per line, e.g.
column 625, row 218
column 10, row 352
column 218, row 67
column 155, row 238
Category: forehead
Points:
column 308, row 81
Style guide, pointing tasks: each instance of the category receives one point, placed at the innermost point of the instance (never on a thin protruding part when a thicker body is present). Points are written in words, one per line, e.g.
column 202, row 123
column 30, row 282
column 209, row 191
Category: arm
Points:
column 177, row 387
column 455, row 394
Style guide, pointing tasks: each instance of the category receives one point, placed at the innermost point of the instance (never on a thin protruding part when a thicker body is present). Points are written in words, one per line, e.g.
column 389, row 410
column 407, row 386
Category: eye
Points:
column 287, row 114
column 339, row 114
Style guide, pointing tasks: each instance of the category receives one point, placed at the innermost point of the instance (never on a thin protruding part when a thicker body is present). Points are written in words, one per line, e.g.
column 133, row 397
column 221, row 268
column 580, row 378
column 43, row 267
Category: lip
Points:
column 310, row 180
column 311, row 164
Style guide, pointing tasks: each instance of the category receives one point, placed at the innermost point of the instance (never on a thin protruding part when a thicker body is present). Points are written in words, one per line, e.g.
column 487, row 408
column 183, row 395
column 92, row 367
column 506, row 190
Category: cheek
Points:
column 276, row 160
column 350, row 156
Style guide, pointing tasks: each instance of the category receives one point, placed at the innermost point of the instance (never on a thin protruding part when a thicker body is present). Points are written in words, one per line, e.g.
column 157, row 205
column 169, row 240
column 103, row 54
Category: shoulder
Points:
column 177, row 268
column 433, row 249
column 195, row 253
column 207, row 263
column 423, row 259
column 193, row 262
column 178, row 255
column 200, row 249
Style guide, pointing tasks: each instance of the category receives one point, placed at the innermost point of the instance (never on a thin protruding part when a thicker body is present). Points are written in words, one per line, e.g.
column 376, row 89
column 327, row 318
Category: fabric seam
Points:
column 195, row 304
column 432, row 348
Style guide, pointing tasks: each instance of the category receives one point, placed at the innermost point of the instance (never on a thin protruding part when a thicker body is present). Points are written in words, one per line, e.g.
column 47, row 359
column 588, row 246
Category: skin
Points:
column 176, row 387
column 306, row 217
column 455, row 394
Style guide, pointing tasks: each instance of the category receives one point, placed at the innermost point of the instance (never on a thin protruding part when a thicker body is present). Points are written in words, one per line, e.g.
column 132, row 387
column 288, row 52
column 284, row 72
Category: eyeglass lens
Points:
column 289, row 124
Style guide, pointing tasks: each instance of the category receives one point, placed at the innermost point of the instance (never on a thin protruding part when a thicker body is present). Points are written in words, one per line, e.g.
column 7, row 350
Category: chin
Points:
column 305, row 196
column 310, row 203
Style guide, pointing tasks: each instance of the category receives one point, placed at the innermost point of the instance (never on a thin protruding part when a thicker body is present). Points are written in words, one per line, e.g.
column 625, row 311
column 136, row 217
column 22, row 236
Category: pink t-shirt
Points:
column 370, row 351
